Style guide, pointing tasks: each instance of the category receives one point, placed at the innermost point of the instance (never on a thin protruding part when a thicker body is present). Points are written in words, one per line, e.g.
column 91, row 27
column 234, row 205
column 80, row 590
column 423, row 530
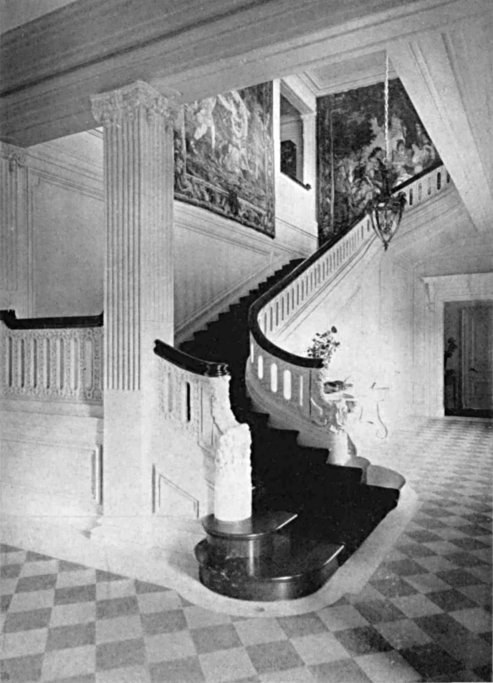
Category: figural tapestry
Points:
column 224, row 156
column 351, row 137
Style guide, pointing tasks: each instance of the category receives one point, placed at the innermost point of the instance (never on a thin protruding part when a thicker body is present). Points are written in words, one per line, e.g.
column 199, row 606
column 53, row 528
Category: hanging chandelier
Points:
column 386, row 208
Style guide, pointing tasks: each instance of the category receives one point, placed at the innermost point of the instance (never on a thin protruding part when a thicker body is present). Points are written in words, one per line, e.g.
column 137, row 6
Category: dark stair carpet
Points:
column 331, row 502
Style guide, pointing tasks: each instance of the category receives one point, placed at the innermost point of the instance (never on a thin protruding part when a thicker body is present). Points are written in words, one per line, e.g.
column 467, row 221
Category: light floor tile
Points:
column 427, row 583
column 32, row 600
column 131, row 674
column 342, row 617
column 118, row 628
column 299, row 675
column 73, row 613
column 474, row 619
column 36, row 568
column 7, row 586
column 66, row 663
column 158, row 602
column 167, row 646
column 81, row 577
column 226, row 665
column 253, row 631
column 402, row 633
column 319, row 648
column 22, row 643
column 198, row 617
column 110, row 590
column 387, row 667
column 416, row 605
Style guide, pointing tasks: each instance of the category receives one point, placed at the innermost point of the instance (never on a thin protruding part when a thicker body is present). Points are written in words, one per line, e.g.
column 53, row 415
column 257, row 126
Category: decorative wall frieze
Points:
column 111, row 108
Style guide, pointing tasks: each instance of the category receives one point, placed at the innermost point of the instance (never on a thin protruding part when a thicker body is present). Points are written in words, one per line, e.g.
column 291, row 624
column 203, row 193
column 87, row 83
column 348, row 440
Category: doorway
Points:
column 468, row 358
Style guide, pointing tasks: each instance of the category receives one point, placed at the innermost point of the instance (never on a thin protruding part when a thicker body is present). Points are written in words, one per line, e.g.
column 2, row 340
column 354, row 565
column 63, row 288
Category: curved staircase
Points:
column 335, row 511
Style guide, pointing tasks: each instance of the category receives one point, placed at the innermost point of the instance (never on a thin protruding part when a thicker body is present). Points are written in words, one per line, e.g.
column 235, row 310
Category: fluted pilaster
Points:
column 138, row 157
column 12, row 170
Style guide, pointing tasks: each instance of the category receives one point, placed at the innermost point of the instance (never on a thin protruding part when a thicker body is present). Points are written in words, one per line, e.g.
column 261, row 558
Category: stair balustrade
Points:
column 280, row 381
column 194, row 398
column 51, row 359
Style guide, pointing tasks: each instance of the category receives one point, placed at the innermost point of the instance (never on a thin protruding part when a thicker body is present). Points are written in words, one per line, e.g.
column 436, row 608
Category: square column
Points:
column 138, row 308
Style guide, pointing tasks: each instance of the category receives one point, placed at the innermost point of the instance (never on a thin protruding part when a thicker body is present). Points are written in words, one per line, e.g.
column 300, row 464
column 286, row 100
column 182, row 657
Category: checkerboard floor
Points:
column 425, row 615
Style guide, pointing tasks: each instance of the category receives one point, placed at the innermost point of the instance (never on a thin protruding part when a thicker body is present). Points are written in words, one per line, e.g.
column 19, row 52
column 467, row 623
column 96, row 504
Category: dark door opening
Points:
column 468, row 358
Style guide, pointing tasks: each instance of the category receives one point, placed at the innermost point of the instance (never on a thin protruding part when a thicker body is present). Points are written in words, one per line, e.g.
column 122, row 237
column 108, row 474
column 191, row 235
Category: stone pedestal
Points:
column 138, row 308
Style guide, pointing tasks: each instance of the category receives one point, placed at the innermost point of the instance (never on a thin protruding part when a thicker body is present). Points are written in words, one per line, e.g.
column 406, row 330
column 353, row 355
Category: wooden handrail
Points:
column 190, row 363
column 10, row 319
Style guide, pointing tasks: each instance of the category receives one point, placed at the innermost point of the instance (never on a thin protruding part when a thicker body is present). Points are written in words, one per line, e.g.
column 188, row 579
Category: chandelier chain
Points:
column 386, row 97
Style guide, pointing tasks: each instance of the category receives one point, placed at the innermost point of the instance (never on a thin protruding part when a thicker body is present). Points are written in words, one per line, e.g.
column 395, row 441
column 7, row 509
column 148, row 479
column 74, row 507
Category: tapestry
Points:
column 224, row 156
column 351, row 146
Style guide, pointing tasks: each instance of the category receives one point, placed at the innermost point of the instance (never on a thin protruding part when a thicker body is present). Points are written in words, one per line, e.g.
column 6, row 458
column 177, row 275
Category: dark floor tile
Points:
column 26, row 621
column 276, row 656
column 37, row 557
column 10, row 571
column 20, row 669
column 117, row 607
column 394, row 587
column 72, row 594
column 458, row 577
column 144, row 587
column 83, row 678
column 468, row 543
column 77, row 635
column 379, row 610
column 64, row 566
column 465, row 559
column 431, row 660
column 423, row 536
column 214, row 638
column 486, row 637
column 363, row 640
column 340, row 671
column 108, row 576
column 120, row 654
column 415, row 550
column 163, row 622
column 450, row 600
column 301, row 625
column 36, row 583
column 5, row 601
column 4, row 548
column 405, row 567
column 177, row 671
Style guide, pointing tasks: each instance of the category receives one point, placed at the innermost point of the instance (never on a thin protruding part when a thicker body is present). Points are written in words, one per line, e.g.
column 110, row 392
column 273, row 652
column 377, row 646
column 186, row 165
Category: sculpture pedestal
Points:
column 258, row 559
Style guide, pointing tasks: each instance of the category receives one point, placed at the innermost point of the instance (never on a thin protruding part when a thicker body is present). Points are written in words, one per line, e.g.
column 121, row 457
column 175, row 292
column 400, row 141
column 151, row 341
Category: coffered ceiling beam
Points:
column 52, row 65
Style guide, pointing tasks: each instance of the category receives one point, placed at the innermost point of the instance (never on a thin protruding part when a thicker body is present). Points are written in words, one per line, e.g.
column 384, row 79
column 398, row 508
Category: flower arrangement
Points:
column 324, row 345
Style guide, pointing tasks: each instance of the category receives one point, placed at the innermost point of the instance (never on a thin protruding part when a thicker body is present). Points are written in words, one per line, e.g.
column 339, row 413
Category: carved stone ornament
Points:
column 111, row 108
column 233, row 477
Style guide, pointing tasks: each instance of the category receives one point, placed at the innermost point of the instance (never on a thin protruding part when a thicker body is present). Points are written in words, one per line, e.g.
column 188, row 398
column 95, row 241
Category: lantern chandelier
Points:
column 386, row 208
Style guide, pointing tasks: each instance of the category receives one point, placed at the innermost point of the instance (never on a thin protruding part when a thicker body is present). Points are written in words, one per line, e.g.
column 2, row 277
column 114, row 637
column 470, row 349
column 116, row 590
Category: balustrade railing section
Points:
column 273, row 371
column 57, row 359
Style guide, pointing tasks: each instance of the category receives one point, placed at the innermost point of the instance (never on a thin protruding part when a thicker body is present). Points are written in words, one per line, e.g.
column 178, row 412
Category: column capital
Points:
column 16, row 155
column 112, row 107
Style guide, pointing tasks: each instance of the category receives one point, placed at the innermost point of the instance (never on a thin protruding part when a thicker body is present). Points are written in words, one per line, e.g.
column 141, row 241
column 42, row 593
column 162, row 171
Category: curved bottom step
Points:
column 284, row 575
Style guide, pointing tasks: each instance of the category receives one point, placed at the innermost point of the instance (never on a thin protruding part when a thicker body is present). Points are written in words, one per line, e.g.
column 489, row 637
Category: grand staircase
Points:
column 335, row 510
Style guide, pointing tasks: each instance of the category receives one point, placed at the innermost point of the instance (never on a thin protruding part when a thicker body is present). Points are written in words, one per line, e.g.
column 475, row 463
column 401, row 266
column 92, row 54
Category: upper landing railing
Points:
column 52, row 359
column 279, row 372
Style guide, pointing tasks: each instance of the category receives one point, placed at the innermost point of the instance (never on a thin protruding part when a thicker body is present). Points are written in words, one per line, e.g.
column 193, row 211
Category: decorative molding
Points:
column 124, row 104
column 173, row 501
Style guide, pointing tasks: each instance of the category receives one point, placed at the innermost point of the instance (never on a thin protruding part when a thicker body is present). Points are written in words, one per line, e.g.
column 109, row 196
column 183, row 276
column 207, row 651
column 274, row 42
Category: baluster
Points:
column 273, row 378
column 260, row 367
column 286, row 384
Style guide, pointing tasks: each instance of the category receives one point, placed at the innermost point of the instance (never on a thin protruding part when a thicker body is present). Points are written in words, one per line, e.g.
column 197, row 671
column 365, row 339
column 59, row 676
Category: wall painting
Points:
column 224, row 156
column 351, row 142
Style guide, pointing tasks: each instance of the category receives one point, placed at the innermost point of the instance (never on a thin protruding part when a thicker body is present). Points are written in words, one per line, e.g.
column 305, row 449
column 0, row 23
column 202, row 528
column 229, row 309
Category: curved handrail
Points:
column 256, row 308
column 190, row 363
column 10, row 319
